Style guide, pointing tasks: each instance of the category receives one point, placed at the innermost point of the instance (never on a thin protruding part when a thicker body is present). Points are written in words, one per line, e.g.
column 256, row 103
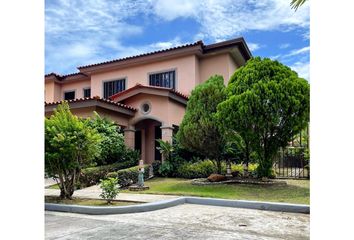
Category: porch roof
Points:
column 162, row 91
column 94, row 102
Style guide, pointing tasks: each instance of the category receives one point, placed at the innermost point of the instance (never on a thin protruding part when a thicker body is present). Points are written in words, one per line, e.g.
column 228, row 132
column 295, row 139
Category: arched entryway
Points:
column 146, row 133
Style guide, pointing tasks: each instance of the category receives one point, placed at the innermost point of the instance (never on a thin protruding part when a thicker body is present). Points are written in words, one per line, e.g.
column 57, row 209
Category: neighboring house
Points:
column 146, row 94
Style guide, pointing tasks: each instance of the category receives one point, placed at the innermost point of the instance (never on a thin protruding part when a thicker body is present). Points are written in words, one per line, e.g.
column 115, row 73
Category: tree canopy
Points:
column 267, row 103
column 70, row 145
column 198, row 130
column 112, row 144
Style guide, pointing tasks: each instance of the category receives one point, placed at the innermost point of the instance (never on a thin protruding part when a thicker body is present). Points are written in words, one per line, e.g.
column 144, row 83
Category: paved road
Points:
column 187, row 221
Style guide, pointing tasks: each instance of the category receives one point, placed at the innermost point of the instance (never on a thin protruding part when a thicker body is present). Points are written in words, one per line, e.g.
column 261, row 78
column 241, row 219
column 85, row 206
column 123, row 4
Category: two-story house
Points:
column 145, row 94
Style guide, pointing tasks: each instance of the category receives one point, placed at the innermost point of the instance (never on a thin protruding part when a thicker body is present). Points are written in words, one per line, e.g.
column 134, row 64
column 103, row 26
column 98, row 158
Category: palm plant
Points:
column 296, row 3
column 165, row 149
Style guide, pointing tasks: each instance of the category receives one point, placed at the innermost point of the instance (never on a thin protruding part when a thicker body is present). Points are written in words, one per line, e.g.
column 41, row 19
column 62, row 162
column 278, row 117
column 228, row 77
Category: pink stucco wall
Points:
column 163, row 109
column 77, row 86
column 158, row 112
column 221, row 64
column 52, row 92
column 190, row 71
column 185, row 67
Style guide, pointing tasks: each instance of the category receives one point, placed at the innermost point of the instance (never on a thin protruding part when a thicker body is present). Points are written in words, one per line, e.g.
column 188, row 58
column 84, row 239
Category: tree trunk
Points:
column 218, row 163
column 67, row 184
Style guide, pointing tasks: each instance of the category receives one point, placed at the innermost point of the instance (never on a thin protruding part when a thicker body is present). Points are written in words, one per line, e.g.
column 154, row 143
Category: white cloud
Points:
column 284, row 45
column 224, row 19
column 302, row 69
column 168, row 44
column 172, row 9
column 87, row 31
column 253, row 46
column 298, row 51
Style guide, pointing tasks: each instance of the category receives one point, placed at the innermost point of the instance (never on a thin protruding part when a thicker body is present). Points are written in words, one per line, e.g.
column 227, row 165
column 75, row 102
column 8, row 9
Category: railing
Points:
column 291, row 163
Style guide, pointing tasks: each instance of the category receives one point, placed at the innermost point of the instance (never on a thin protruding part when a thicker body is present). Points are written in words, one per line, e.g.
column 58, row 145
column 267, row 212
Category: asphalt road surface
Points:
column 187, row 221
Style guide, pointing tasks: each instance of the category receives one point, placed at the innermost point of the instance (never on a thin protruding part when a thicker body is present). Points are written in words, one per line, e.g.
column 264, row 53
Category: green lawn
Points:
column 297, row 191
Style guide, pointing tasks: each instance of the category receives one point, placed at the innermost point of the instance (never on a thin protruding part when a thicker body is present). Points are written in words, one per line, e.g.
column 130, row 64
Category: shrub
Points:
column 129, row 176
column 166, row 169
column 252, row 167
column 112, row 144
column 201, row 169
column 156, row 167
column 110, row 189
column 91, row 176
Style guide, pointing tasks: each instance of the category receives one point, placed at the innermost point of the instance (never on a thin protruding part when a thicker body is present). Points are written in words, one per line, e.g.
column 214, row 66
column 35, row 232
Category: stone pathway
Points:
column 49, row 182
column 95, row 191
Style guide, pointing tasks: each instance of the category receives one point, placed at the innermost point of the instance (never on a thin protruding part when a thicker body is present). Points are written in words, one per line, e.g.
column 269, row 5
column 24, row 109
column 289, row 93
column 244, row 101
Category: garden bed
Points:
column 88, row 202
column 205, row 181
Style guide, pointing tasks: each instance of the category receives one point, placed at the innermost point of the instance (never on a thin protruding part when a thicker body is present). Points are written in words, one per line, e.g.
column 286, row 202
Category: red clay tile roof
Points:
column 240, row 42
column 93, row 98
column 63, row 77
column 145, row 54
column 151, row 87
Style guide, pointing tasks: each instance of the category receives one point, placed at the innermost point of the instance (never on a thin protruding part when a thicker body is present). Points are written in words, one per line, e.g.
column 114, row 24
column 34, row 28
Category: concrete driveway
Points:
column 186, row 221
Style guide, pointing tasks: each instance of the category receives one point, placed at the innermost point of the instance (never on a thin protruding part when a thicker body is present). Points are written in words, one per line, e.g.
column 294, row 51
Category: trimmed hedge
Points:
column 203, row 169
column 91, row 176
column 128, row 176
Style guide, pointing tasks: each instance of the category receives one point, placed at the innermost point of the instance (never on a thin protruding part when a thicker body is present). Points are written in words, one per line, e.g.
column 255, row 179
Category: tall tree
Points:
column 70, row 145
column 199, row 130
column 267, row 105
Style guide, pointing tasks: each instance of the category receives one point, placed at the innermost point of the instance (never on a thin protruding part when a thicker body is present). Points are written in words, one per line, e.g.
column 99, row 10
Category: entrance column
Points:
column 166, row 132
column 129, row 137
column 166, row 135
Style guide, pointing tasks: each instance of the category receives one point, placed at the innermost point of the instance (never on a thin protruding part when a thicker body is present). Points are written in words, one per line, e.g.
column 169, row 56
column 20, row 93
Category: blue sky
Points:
column 81, row 32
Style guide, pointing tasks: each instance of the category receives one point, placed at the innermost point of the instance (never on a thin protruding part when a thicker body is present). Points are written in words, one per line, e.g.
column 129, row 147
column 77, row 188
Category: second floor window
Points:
column 112, row 87
column 87, row 92
column 164, row 79
column 69, row 95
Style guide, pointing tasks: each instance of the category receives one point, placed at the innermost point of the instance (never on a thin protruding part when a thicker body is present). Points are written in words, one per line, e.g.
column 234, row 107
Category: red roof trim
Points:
column 63, row 77
column 150, row 87
column 92, row 98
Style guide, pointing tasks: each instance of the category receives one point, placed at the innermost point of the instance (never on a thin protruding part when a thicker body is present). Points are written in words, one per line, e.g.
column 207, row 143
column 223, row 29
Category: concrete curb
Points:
column 269, row 206
column 145, row 207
